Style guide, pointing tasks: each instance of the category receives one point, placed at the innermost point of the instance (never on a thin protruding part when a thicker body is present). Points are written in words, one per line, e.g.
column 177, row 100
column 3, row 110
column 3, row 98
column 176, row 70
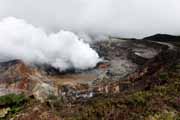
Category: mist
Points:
column 123, row 18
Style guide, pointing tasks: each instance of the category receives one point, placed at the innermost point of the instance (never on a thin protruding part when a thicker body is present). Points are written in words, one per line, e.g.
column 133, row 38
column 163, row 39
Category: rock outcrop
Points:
column 17, row 77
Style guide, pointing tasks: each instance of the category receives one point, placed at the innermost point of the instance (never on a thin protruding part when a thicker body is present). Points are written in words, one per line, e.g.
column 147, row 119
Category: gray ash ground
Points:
column 120, row 59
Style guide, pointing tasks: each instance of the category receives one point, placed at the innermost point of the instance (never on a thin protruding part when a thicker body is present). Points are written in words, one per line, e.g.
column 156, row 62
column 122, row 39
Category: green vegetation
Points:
column 12, row 99
column 139, row 98
column 166, row 115
column 163, row 76
column 11, row 104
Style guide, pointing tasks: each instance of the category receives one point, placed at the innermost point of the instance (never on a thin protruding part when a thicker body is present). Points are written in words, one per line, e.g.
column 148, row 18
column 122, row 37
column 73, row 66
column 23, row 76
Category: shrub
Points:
column 139, row 98
column 12, row 100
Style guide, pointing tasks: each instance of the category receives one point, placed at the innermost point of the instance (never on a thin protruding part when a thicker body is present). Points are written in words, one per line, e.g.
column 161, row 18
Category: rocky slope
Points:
column 130, row 68
column 163, row 38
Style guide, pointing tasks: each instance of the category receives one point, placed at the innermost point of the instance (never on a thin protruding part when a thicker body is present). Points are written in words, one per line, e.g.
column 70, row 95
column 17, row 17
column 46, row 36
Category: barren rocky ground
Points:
column 137, row 80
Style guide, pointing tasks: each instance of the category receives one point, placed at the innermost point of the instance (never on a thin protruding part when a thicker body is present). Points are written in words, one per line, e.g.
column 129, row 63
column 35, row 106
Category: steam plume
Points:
column 63, row 50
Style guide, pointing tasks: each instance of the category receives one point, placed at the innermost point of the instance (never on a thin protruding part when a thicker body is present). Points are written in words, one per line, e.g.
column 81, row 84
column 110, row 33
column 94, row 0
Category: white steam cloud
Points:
column 124, row 18
column 63, row 50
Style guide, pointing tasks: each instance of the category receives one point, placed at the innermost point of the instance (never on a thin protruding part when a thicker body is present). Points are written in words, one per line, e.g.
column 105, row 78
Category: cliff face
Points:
column 14, row 76
column 17, row 77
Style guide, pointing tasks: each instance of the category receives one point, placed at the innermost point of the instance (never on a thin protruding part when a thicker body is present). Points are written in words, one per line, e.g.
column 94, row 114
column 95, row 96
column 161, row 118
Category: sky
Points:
column 123, row 18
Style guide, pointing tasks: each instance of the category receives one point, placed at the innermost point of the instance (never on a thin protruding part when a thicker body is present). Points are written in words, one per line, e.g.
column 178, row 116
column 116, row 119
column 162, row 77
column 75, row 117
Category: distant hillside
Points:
column 162, row 37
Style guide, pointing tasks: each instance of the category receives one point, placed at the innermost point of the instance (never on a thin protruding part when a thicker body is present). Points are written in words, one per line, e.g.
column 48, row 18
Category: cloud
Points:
column 125, row 18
